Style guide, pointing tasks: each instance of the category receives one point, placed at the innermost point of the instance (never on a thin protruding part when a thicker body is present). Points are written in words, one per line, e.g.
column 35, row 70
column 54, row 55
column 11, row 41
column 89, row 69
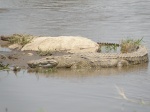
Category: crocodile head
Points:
column 43, row 63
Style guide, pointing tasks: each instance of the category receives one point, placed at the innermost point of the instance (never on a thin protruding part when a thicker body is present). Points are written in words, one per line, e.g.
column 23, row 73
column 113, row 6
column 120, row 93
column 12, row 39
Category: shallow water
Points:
column 72, row 91
column 77, row 91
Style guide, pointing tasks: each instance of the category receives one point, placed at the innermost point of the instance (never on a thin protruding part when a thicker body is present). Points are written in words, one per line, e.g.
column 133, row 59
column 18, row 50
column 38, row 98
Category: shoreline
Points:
column 18, row 58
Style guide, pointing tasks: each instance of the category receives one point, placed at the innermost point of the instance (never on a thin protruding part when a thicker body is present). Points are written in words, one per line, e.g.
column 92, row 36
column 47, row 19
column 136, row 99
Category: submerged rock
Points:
column 72, row 44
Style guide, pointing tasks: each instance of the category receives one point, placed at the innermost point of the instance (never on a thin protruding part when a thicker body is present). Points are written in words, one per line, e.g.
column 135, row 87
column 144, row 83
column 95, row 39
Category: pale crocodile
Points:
column 90, row 60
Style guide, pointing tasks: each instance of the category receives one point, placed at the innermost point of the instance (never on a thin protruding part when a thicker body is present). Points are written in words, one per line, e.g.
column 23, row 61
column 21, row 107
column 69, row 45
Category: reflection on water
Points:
column 123, row 90
column 81, row 73
column 68, row 73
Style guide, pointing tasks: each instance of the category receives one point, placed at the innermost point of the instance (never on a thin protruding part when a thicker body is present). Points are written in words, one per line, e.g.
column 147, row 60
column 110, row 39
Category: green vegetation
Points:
column 20, row 39
column 109, row 48
column 112, row 47
column 4, row 67
column 130, row 45
column 44, row 53
column 127, row 46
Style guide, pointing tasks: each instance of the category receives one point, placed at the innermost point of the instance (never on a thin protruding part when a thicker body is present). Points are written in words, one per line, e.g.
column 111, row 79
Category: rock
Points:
column 15, row 46
column 72, row 44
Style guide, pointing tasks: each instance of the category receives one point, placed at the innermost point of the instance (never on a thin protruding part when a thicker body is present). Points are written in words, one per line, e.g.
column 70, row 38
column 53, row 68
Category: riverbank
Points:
column 18, row 58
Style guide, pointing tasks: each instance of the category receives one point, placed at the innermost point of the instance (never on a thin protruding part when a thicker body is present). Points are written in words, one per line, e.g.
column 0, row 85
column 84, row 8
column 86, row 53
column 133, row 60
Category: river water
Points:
column 107, row 90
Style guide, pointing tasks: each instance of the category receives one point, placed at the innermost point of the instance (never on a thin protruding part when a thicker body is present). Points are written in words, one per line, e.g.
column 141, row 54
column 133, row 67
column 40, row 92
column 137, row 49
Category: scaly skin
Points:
column 90, row 60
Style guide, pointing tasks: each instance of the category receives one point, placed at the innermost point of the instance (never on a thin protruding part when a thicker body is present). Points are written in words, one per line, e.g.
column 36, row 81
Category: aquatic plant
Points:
column 4, row 67
column 130, row 45
column 16, row 68
column 109, row 48
column 20, row 39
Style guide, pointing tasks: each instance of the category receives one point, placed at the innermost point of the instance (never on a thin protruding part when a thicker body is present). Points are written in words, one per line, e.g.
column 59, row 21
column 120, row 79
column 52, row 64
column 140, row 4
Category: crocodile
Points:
column 92, row 60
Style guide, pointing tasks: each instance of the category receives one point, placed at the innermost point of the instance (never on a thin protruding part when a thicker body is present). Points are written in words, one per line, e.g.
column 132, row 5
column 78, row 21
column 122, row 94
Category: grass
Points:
column 44, row 53
column 130, row 45
column 127, row 46
column 110, row 48
column 20, row 39
column 4, row 67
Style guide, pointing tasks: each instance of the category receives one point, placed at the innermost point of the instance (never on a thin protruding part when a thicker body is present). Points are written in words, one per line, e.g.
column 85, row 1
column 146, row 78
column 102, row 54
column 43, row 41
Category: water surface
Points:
column 99, row 20
column 82, row 91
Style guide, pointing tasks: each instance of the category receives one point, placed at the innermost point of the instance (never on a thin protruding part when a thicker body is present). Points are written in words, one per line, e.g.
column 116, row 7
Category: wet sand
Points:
column 16, row 57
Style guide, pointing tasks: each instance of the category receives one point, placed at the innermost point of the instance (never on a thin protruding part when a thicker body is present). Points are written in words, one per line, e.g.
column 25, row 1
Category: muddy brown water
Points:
column 105, row 90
